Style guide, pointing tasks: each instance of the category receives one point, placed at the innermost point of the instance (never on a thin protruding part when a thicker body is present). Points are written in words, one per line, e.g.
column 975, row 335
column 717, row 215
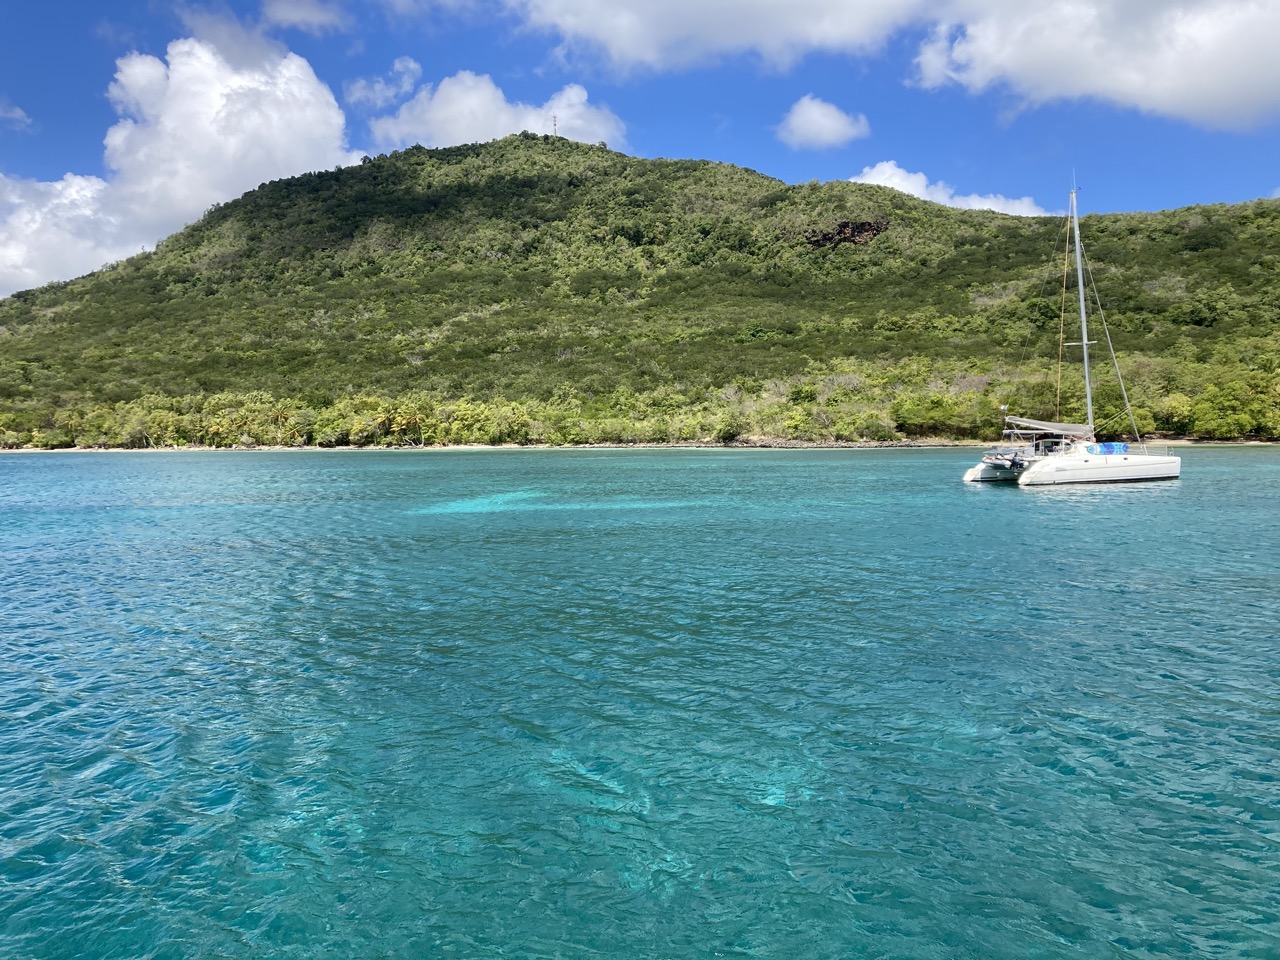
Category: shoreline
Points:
column 924, row 443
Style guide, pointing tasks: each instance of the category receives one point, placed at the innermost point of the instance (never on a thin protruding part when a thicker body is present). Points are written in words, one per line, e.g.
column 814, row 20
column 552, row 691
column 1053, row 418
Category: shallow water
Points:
column 619, row 703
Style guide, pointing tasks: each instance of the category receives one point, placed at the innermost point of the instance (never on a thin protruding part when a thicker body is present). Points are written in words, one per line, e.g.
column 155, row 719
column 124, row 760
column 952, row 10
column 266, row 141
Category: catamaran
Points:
column 1040, row 452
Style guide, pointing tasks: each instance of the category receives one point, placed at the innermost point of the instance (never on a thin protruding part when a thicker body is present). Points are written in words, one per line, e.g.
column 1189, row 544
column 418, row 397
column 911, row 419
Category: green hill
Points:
column 537, row 289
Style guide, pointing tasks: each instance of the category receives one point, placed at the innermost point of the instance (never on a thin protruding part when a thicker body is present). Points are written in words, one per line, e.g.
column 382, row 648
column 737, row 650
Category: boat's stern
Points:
column 986, row 472
column 1004, row 463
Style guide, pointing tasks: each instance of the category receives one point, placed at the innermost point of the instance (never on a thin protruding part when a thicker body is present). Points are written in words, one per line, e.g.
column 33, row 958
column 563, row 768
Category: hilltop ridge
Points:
column 594, row 295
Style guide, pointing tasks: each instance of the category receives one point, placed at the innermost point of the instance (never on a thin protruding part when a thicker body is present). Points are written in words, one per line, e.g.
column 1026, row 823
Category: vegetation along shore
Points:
column 533, row 290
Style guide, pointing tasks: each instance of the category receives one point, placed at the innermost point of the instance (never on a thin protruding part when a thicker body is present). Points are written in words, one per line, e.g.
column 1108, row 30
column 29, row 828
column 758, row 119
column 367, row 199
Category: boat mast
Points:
column 1084, row 323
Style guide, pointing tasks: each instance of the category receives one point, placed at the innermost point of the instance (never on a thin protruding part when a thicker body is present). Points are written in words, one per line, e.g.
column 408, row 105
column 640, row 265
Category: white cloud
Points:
column 1211, row 62
column 312, row 16
column 815, row 123
column 887, row 173
column 662, row 34
column 378, row 93
column 468, row 107
column 197, row 130
column 243, row 47
column 193, row 130
column 55, row 230
column 13, row 116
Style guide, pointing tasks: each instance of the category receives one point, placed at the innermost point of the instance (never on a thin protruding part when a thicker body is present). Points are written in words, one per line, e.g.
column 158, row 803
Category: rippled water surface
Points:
column 635, row 704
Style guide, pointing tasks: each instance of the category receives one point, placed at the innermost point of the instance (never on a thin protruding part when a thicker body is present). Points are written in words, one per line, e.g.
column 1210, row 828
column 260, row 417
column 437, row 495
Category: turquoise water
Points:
column 797, row 704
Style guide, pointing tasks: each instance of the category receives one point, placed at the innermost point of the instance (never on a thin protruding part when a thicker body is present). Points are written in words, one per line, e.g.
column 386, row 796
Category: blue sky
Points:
column 121, row 123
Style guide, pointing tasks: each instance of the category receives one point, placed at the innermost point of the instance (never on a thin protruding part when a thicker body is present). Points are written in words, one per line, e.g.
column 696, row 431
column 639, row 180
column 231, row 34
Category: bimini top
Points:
column 1042, row 426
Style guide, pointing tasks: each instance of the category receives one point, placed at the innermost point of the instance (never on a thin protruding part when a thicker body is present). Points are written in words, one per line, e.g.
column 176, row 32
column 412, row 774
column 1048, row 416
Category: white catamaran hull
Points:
column 1096, row 468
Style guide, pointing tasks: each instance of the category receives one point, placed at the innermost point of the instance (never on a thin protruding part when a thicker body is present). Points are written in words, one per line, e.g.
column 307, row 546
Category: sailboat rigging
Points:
column 1041, row 453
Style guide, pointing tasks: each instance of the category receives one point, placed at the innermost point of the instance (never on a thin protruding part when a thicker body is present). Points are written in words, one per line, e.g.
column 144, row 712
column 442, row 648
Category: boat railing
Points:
column 1024, row 445
column 1051, row 446
column 1012, row 448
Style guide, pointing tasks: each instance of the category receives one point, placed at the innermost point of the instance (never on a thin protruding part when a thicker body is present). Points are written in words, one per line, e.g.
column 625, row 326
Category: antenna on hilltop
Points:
column 554, row 128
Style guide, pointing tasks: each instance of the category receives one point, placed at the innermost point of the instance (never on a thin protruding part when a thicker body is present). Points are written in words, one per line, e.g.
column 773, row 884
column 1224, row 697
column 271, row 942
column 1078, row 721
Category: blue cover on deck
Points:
column 1107, row 449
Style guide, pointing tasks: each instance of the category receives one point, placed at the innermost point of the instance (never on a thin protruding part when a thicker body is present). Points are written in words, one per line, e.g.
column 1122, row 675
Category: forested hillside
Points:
column 539, row 290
